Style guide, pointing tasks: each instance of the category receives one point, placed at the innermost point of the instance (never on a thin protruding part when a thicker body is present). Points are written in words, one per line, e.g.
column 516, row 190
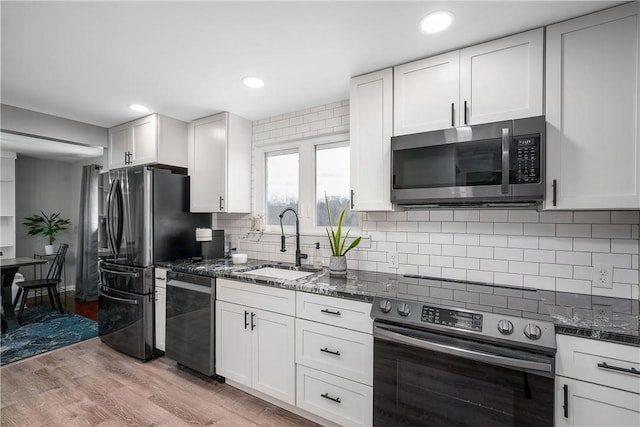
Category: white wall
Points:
column 49, row 186
column 546, row 250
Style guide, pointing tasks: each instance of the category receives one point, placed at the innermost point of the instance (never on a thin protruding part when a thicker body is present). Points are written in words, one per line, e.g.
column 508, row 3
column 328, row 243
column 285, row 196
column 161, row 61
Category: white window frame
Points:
column 306, row 149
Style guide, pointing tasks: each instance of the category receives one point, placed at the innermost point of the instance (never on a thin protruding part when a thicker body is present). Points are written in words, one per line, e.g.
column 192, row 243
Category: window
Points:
column 282, row 186
column 296, row 175
column 332, row 179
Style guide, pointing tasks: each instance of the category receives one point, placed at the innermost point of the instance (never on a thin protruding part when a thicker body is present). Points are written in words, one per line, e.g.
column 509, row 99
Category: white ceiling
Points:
column 88, row 61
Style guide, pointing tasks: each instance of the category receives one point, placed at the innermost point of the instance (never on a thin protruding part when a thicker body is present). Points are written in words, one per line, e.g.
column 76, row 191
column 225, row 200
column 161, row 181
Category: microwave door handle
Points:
column 505, row 160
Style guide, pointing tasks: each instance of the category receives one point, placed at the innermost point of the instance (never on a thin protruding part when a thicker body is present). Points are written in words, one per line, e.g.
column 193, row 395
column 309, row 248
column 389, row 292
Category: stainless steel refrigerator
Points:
column 147, row 220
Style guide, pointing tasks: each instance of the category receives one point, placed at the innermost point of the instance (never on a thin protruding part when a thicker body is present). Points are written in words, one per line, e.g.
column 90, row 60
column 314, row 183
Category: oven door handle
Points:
column 387, row 335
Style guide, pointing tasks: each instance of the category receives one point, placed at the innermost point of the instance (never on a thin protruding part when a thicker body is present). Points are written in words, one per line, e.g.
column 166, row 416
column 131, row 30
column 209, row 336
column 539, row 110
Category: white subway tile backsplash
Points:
column 454, row 227
column 540, row 282
column 556, row 218
column 512, row 254
column 396, row 216
column 507, row 228
column 494, row 265
column 454, row 250
column 455, row 274
column 480, row 252
column 411, row 226
column 441, row 215
column 575, row 258
column 581, row 272
column 556, row 243
column 480, row 227
column 592, row 217
column 508, row 279
column 634, row 261
column 429, row 271
column 396, row 236
column 418, row 259
column 408, row 248
column 608, row 231
column 615, row 260
column 621, row 275
column 441, row 261
column 495, row 241
column 591, row 245
column 556, row 270
column 523, row 242
column 573, row 230
column 466, row 263
column 430, row 227
column 386, row 226
column 466, row 239
column 386, row 246
column 430, row 249
column 523, row 267
column 418, row 216
column 625, row 246
column 494, row 216
column 539, row 229
column 442, row 238
column 480, row 276
column 538, row 255
column 523, row 216
column 625, row 217
column 376, row 216
column 418, row 237
column 573, row 285
column 377, row 256
column 466, row 215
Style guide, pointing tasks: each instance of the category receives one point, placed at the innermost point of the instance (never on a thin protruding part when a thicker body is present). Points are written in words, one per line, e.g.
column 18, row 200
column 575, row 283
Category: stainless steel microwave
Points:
column 491, row 164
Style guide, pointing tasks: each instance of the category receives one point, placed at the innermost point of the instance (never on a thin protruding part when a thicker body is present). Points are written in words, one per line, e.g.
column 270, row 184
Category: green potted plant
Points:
column 48, row 226
column 338, row 260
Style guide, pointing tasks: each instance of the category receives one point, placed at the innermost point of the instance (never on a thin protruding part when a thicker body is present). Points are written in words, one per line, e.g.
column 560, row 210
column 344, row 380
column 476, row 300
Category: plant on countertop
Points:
column 48, row 226
column 336, row 240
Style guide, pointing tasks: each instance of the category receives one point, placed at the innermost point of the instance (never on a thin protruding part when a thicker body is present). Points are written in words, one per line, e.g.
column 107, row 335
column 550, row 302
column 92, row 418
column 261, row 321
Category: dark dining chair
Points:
column 50, row 283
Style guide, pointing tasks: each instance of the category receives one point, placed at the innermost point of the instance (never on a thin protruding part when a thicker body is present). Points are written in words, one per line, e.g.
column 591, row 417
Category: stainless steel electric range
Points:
column 451, row 353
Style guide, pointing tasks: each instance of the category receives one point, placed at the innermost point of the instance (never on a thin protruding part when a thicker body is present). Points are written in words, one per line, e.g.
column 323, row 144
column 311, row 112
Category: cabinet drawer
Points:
column 339, row 312
column 336, row 399
column 580, row 358
column 341, row 352
column 258, row 296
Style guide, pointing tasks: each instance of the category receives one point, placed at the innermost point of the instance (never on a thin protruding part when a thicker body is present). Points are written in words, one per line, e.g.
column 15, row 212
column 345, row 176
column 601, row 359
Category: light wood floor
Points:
column 90, row 384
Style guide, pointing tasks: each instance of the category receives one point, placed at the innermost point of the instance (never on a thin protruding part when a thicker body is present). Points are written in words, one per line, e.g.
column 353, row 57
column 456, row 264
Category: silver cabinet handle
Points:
column 221, row 200
column 119, row 273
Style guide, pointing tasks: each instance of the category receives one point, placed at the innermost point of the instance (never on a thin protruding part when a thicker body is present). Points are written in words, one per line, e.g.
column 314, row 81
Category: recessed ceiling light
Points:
column 139, row 108
column 253, row 82
column 436, row 22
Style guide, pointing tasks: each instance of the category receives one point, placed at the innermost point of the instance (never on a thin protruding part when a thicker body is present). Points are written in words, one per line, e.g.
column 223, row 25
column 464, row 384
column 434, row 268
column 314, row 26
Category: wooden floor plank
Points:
column 89, row 384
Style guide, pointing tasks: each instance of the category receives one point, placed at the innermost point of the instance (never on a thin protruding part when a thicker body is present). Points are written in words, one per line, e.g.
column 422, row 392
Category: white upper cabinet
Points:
column 371, row 118
column 149, row 140
column 593, row 150
column 220, row 164
column 493, row 81
column 502, row 79
column 427, row 94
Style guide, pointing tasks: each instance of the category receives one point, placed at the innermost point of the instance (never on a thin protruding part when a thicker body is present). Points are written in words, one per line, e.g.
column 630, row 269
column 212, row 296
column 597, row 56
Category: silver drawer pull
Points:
column 604, row 365
column 326, row 350
column 335, row 399
column 327, row 311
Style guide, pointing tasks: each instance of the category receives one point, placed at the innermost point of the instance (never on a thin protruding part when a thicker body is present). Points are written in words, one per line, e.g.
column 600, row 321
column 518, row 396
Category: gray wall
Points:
column 49, row 186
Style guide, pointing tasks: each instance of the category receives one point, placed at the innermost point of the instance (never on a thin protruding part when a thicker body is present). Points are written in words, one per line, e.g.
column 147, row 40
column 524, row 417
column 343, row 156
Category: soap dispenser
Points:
column 317, row 259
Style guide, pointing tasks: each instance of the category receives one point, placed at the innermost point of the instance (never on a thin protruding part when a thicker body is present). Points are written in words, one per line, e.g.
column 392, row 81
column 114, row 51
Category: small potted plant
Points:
column 338, row 260
column 48, row 226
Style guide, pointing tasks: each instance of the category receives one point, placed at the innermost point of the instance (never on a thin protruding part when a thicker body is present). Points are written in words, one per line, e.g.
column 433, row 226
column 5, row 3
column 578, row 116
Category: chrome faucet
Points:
column 299, row 256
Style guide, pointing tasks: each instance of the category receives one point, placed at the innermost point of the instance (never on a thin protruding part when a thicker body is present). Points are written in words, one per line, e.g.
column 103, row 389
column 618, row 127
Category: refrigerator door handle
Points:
column 110, row 236
column 119, row 219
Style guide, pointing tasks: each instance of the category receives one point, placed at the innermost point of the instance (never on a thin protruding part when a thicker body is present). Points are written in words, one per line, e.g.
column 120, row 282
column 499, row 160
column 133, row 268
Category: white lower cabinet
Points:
column 334, row 359
column 596, row 384
column 160, row 275
column 255, row 347
column 342, row 401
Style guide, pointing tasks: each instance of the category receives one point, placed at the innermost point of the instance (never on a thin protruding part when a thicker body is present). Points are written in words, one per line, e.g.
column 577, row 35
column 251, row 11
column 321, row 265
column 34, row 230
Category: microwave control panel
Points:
column 525, row 159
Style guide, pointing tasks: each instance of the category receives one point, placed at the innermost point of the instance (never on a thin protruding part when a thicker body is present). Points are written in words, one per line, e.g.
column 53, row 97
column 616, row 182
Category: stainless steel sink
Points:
column 279, row 273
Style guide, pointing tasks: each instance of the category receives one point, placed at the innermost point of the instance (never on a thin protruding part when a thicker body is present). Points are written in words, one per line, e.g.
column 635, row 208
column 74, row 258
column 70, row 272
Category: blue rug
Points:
column 43, row 329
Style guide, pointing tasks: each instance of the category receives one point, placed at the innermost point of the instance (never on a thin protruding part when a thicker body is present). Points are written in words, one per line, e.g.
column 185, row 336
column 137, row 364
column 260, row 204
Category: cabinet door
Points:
column 502, row 79
column 208, row 163
column 233, row 342
column 161, row 317
column 426, row 94
column 371, row 121
column 273, row 355
column 143, row 141
column 590, row 404
column 118, row 146
column 593, row 150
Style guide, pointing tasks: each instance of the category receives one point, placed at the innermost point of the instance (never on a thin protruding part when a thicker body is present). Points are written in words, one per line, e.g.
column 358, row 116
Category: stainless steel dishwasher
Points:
column 190, row 338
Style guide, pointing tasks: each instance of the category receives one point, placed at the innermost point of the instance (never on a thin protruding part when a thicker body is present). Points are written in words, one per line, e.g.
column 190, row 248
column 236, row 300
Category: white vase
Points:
column 49, row 249
column 338, row 266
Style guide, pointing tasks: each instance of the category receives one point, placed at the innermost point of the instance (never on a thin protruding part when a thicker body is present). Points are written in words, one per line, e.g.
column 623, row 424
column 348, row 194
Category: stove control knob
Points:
column 505, row 327
column 385, row 305
column 404, row 309
column 532, row 331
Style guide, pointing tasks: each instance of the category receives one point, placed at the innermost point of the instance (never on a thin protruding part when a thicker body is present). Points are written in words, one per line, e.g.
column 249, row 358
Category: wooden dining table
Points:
column 10, row 267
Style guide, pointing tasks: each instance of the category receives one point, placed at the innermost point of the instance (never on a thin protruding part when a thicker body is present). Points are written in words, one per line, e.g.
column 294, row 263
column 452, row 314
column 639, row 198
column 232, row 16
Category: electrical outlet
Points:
column 602, row 275
column 392, row 257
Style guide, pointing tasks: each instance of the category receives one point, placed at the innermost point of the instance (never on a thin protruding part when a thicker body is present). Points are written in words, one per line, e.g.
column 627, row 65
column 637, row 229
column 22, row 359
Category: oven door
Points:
column 427, row 379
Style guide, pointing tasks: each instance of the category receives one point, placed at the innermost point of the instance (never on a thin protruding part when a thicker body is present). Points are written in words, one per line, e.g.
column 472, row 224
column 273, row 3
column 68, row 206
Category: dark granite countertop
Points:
column 600, row 318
